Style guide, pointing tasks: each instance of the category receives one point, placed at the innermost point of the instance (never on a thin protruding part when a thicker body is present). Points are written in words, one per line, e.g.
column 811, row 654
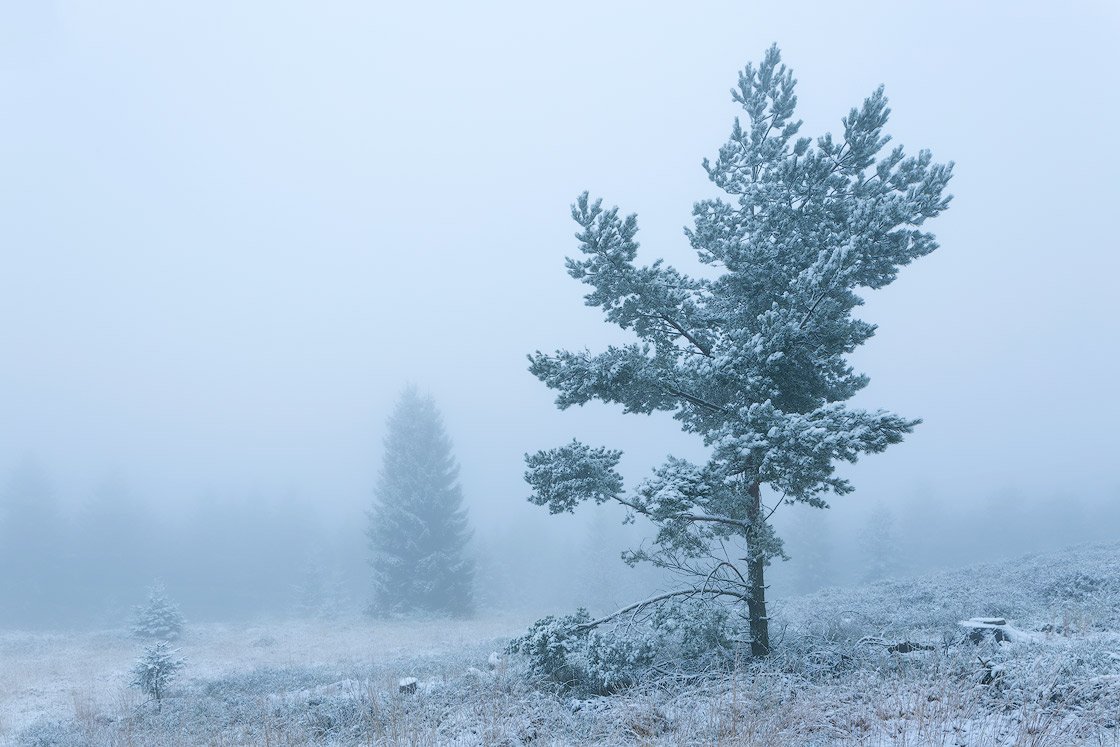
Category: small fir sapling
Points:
column 154, row 671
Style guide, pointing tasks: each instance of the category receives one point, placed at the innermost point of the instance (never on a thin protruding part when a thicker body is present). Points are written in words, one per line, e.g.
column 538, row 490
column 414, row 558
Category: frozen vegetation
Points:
column 217, row 284
column 837, row 675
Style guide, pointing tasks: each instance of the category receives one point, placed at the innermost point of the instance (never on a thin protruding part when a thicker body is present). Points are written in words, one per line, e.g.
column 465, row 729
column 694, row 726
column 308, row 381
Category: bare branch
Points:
column 654, row 600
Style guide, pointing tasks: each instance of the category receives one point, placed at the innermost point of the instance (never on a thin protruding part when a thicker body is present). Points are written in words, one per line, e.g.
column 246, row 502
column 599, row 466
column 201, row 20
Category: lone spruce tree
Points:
column 752, row 356
column 418, row 529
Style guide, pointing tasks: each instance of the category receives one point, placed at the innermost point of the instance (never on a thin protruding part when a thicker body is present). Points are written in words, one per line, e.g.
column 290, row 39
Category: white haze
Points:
column 231, row 233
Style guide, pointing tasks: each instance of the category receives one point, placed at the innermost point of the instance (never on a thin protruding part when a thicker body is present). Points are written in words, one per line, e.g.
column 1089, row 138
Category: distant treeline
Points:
column 224, row 559
column 238, row 557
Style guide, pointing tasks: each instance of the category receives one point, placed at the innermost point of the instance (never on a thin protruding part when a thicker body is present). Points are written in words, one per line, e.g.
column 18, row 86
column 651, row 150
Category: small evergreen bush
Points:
column 155, row 669
column 681, row 637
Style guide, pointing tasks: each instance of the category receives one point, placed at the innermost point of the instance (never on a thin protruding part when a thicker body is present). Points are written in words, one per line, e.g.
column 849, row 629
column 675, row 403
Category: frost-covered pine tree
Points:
column 599, row 578
column 810, row 542
column 159, row 617
column 35, row 578
column 154, row 671
column 418, row 530
column 878, row 545
column 750, row 355
column 320, row 590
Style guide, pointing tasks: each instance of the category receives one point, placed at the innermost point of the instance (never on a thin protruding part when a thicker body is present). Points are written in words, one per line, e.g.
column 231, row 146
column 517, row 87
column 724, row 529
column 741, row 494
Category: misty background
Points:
column 231, row 234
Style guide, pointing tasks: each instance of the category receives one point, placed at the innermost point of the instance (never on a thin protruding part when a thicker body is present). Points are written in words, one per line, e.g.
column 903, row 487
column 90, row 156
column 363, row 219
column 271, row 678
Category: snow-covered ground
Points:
column 833, row 680
column 83, row 676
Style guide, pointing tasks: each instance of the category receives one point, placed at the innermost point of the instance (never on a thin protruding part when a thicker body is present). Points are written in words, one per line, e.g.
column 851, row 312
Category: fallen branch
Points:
column 902, row 647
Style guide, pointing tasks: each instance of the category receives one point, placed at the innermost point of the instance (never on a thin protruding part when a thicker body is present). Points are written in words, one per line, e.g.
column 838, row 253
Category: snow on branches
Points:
column 753, row 356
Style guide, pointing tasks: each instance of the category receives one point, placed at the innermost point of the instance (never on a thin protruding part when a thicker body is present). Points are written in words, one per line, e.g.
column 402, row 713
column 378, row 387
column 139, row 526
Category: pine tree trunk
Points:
column 756, row 577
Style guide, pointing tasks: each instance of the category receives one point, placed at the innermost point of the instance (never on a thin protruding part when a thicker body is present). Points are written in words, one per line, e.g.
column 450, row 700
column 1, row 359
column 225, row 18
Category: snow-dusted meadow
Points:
column 833, row 678
column 233, row 232
column 83, row 678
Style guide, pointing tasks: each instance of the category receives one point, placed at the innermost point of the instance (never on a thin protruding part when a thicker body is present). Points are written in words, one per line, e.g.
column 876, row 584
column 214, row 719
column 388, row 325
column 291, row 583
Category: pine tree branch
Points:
column 685, row 516
column 697, row 400
column 730, row 565
column 654, row 600
column 704, row 349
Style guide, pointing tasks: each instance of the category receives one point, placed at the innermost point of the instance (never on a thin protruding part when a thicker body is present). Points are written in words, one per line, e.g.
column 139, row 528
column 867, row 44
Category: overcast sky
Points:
column 231, row 232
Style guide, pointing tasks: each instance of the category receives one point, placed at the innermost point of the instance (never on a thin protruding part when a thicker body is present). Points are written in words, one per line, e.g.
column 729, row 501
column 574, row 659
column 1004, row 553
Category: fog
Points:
column 232, row 234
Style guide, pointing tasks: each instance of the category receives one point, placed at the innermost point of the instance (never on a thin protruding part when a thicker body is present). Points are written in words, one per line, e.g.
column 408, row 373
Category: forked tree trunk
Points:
column 756, row 577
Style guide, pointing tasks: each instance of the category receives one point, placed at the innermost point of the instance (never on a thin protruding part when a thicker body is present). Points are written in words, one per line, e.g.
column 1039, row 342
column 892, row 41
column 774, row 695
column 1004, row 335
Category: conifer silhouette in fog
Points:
column 418, row 529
